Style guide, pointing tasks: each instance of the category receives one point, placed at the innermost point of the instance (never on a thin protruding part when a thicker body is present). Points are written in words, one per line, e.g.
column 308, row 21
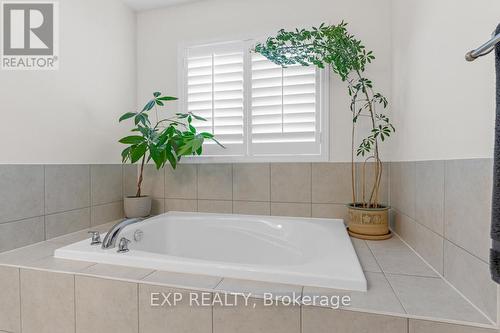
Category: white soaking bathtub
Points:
column 301, row 251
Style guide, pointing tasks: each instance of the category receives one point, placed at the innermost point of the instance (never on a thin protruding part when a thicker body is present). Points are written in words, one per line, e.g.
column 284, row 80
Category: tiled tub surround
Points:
column 442, row 210
column 286, row 189
column 39, row 202
column 43, row 294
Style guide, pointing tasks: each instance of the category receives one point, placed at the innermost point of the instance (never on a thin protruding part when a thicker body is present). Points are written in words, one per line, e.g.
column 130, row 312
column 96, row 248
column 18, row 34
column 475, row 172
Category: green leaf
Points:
column 137, row 152
column 167, row 98
column 127, row 116
column 132, row 140
column 160, row 103
column 126, row 154
column 171, row 157
column 156, row 94
column 149, row 106
column 156, row 155
column 198, row 117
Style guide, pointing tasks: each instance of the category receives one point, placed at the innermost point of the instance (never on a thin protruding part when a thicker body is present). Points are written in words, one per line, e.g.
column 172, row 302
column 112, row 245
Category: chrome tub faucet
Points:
column 109, row 241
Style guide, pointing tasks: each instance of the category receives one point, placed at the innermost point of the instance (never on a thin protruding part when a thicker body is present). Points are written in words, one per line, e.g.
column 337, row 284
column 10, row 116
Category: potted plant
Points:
column 334, row 46
column 163, row 140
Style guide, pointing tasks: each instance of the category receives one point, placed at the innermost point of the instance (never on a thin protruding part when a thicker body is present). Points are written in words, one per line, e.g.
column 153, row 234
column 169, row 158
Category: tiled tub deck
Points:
column 40, row 293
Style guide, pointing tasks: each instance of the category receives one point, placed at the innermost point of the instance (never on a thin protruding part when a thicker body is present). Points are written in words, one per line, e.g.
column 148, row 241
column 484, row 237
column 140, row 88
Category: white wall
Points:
column 160, row 32
column 443, row 106
column 70, row 115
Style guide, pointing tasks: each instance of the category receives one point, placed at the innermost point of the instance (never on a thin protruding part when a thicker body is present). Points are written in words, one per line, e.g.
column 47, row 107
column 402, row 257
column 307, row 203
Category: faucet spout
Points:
column 109, row 241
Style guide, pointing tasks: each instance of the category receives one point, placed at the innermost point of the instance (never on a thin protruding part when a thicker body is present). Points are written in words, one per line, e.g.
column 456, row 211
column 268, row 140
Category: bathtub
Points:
column 301, row 251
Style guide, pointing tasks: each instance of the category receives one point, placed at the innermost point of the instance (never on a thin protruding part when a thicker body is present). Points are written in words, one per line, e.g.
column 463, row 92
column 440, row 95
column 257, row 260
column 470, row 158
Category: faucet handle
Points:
column 123, row 245
column 96, row 237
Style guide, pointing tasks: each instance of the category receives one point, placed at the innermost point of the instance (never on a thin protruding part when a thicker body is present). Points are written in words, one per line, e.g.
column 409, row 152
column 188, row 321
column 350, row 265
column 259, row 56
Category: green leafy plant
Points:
column 164, row 140
column 334, row 46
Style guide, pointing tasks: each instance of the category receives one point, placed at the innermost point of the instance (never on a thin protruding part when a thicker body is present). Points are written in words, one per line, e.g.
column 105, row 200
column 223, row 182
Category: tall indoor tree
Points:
column 333, row 46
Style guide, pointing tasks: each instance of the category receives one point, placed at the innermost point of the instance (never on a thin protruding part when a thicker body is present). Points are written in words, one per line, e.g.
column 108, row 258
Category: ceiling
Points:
column 151, row 4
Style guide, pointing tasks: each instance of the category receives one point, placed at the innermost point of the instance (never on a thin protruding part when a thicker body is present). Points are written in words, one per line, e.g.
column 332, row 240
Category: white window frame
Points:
column 323, row 100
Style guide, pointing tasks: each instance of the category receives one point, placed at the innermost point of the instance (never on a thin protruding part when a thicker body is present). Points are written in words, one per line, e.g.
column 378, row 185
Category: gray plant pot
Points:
column 137, row 206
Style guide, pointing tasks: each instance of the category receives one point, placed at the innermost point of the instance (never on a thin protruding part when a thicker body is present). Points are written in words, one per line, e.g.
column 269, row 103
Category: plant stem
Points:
column 374, row 192
column 353, row 171
column 139, row 181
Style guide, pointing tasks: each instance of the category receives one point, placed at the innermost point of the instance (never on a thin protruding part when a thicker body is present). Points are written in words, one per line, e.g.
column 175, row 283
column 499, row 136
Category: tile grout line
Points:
column 311, row 189
column 44, row 189
column 138, row 309
column 232, row 188
column 197, row 186
column 43, row 200
column 444, row 238
column 446, row 281
column 90, row 195
column 389, row 282
column 74, row 299
column 20, row 302
column 444, row 210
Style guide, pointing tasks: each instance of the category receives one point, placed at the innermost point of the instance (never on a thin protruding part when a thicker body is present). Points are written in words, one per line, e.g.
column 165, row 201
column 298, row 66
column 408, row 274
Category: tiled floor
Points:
column 399, row 282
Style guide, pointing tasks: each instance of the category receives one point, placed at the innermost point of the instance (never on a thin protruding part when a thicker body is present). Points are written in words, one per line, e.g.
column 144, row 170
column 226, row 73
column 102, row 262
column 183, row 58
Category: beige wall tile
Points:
column 468, row 189
column 67, row 187
column 47, row 302
column 117, row 272
column 258, row 288
column 251, row 207
column 251, row 182
column 21, row 192
column 79, row 235
column 330, row 211
column 21, row 233
column 129, row 179
column 291, row 182
column 181, row 183
column 10, row 307
column 215, row 206
column 471, row 276
column 325, row 320
column 106, row 213
column 250, row 319
column 434, row 298
column 423, row 326
column 290, row 209
column 181, row 205
column 403, row 183
column 429, row 245
column 429, row 196
column 184, row 281
column 157, row 206
column 106, row 183
column 153, row 183
column 182, row 317
column 331, row 183
column 67, row 222
column 104, row 306
column 215, row 181
column 403, row 226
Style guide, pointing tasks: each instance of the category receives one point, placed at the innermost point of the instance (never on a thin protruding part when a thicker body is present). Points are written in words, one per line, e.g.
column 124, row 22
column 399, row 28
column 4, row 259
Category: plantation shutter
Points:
column 285, row 118
column 215, row 91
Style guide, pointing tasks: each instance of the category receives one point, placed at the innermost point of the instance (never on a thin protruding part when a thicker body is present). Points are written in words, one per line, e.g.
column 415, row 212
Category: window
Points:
column 257, row 109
